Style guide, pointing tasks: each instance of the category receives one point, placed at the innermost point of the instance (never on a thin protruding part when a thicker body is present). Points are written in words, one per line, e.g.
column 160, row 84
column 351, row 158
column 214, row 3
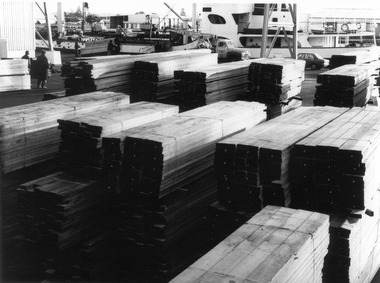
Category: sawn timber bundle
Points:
column 209, row 84
column 167, row 182
column 355, row 57
column 354, row 249
column 253, row 167
column 346, row 86
column 81, row 143
column 60, row 210
column 163, row 154
column 109, row 73
column 335, row 168
column 275, row 81
column 29, row 133
column 14, row 75
column 276, row 245
column 153, row 80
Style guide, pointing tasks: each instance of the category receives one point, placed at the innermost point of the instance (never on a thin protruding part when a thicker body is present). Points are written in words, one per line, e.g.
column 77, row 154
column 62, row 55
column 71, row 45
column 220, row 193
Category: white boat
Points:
column 242, row 23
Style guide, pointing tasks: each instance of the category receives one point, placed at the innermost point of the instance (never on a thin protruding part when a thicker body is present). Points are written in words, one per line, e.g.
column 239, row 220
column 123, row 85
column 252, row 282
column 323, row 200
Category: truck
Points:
column 228, row 52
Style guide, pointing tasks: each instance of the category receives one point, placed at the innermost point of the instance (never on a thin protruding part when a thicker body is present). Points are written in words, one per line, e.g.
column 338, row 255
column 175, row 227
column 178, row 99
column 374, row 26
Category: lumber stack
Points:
column 205, row 85
column 374, row 82
column 355, row 57
column 252, row 167
column 81, row 137
column 276, row 245
column 353, row 252
column 98, row 46
column 29, row 133
column 162, row 237
column 60, row 210
column 334, row 169
column 162, row 154
column 167, row 182
column 153, row 79
column 106, row 73
column 275, row 81
column 14, row 75
column 345, row 86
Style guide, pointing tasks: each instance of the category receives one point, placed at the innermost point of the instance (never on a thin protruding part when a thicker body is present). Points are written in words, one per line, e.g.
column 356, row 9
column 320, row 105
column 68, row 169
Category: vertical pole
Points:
column 48, row 28
column 295, row 31
column 265, row 31
column 60, row 17
column 83, row 17
column 194, row 17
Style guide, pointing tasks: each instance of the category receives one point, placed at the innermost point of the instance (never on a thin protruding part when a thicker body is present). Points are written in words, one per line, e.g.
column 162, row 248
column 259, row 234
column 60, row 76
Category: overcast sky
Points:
column 123, row 7
column 113, row 7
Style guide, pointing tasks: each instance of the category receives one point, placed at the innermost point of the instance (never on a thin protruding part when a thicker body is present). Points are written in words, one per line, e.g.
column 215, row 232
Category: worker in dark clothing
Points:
column 77, row 48
column 117, row 46
column 26, row 57
column 42, row 69
column 111, row 48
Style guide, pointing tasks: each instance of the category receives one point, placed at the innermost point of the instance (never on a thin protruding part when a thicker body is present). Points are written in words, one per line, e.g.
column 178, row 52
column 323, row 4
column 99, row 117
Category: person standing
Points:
column 110, row 48
column 26, row 57
column 77, row 48
column 42, row 70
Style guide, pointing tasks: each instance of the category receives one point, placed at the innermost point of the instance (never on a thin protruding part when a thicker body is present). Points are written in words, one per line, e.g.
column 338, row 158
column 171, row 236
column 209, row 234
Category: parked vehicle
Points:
column 314, row 61
column 227, row 52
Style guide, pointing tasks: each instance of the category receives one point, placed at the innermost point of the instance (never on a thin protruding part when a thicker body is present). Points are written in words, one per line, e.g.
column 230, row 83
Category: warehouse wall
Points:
column 16, row 29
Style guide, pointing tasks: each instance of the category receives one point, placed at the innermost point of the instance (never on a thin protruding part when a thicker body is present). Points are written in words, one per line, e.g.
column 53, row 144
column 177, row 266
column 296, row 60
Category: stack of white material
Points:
column 14, row 75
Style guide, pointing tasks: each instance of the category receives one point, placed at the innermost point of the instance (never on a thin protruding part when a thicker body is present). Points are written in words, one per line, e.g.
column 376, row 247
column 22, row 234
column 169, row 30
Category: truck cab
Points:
column 227, row 52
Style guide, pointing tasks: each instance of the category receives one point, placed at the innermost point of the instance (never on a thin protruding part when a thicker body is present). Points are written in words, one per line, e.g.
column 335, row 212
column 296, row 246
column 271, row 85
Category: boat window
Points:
column 206, row 9
column 258, row 9
column 216, row 19
column 284, row 8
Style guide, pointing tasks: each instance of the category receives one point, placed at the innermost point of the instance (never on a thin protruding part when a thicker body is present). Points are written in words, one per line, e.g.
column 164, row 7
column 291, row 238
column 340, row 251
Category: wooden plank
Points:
column 344, row 162
column 28, row 133
column 263, row 249
column 266, row 150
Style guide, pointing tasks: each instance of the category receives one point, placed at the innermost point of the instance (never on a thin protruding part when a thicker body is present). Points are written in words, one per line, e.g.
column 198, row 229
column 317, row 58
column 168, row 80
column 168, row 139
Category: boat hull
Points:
column 325, row 52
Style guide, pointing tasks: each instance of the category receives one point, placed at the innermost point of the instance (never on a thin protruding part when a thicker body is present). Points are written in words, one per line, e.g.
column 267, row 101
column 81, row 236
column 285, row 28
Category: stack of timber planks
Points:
column 275, row 82
column 107, row 73
column 153, row 79
column 98, row 46
column 253, row 167
column 354, row 249
column 334, row 169
column 205, row 85
column 60, row 210
column 276, row 245
column 355, row 57
column 162, row 154
column 163, row 236
column 374, row 83
column 167, row 181
column 345, row 86
column 81, row 137
column 29, row 133
column 14, row 75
